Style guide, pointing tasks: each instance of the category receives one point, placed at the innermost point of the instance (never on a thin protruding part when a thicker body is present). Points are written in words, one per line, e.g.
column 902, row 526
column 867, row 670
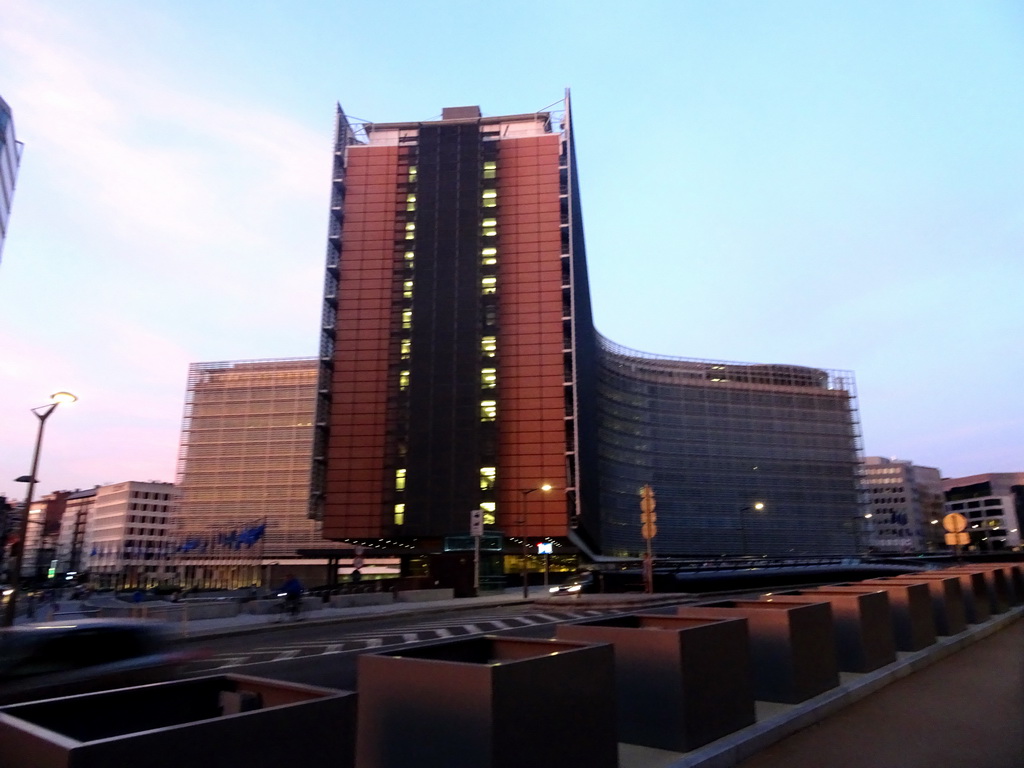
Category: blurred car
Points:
column 48, row 660
column 574, row 585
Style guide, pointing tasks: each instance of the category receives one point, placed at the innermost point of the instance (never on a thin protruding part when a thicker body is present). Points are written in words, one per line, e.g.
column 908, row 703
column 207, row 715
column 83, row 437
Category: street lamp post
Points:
column 756, row 506
column 522, row 532
column 42, row 413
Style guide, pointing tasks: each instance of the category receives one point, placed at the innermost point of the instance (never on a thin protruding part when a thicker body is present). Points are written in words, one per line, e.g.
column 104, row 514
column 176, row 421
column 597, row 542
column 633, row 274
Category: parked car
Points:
column 39, row 661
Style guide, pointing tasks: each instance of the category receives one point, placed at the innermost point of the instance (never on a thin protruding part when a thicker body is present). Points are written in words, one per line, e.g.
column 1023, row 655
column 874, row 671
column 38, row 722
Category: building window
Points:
column 410, row 203
column 489, row 346
column 407, row 289
column 406, row 348
column 489, row 256
column 399, row 514
column 488, row 410
column 403, row 380
column 490, row 198
column 490, row 510
column 489, row 378
column 409, row 256
column 406, row 318
column 490, row 169
column 487, row 477
column 489, row 284
column 399, row 479
column 412, row 173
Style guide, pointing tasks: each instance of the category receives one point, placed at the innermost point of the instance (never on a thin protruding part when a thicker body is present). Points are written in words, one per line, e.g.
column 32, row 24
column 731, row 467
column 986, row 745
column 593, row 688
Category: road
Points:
column 325, row 655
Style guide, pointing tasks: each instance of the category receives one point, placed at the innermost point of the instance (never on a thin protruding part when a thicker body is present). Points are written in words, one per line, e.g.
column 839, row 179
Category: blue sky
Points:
column 820, row 183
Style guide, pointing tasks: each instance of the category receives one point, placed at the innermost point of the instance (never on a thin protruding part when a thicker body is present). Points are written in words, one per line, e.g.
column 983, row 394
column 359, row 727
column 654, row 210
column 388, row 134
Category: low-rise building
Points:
column 993, row 504
column 904, row 505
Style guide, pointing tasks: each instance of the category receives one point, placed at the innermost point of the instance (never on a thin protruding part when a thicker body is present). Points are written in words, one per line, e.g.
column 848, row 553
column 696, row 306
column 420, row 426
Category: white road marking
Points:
column 287, row 655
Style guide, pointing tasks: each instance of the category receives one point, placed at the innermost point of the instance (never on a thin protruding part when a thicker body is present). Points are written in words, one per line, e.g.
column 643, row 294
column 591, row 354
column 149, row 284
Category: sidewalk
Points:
column 956, row 704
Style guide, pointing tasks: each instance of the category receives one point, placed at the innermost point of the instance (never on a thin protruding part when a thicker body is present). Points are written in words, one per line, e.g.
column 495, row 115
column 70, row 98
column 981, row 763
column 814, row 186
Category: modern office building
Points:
column 460, row 370
column 71, row 539
column 744, row 459
column 905, row 504
column 993, row 504
column 44, row 518
column 243, row 473
column 10, row 158
column 127, row 534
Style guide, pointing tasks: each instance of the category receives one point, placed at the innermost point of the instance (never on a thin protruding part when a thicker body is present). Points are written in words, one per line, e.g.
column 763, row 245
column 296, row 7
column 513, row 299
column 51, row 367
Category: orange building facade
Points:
column 456, row 322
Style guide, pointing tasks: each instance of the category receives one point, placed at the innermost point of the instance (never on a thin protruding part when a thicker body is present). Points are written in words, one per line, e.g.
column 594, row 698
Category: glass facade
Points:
column 743, row 459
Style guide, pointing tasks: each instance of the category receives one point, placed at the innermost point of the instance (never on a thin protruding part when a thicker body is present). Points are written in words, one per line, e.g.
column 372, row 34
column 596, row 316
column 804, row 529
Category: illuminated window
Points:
column 489, row 256
column 399, row 479
column 488, row 410
column 403, row 380
column 489, row 223
column 489, row 508
column 490, row 232
column 489, row 284
column 487, row 477
column 407, row 289
column 406, row 348
column 412, row 173
column 490, row 169
column 489, row 378
column 489, row 345
column 490, row 198
column 410, row 203
column 407, row 318
column 399, row 514
column 409, row 256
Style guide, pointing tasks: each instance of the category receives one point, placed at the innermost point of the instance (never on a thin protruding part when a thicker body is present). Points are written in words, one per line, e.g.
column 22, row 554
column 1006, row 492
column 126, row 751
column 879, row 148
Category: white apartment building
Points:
column 993, row 504
column 904, row 506
column 126, row 538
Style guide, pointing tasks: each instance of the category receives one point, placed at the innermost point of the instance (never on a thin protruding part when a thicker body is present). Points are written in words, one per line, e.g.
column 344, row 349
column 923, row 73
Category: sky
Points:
column 838, row 185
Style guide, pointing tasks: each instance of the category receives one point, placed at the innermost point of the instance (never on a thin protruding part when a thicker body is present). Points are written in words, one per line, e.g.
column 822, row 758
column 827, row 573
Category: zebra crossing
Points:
column 415, row 633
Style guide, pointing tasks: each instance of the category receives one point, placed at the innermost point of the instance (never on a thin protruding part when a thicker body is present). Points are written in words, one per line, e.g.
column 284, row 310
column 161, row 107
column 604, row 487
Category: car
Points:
column 574, row 585
column 64, row 658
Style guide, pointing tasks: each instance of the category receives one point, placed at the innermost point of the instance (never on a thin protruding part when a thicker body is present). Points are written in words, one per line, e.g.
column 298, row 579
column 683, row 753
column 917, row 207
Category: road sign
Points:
column 545, row 548
column 954, row 523
column 952, row 539
column 358, row 562
column 476, row 522
column 648, row 530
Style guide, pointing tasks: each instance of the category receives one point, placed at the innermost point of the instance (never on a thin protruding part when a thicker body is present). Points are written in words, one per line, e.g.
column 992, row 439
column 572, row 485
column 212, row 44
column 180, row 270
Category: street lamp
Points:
column 42, row 413
column 757, row 506
column 522, row 530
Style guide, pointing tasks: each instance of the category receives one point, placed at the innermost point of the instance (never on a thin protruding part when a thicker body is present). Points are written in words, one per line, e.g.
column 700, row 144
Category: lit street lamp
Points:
column 42, row 413
column 757, row 506
column 522, row 531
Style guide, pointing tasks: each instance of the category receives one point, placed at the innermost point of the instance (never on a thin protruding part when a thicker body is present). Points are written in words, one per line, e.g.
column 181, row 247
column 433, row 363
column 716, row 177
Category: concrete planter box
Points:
column 913, row 624
column 946, row 598
column 680, row 683
column 998, row 586
column 362, row 598
column 974, row 591
column 792, row 647
column 423, row 595
column 207, row 722
column 862, row 621
column 488, row 702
